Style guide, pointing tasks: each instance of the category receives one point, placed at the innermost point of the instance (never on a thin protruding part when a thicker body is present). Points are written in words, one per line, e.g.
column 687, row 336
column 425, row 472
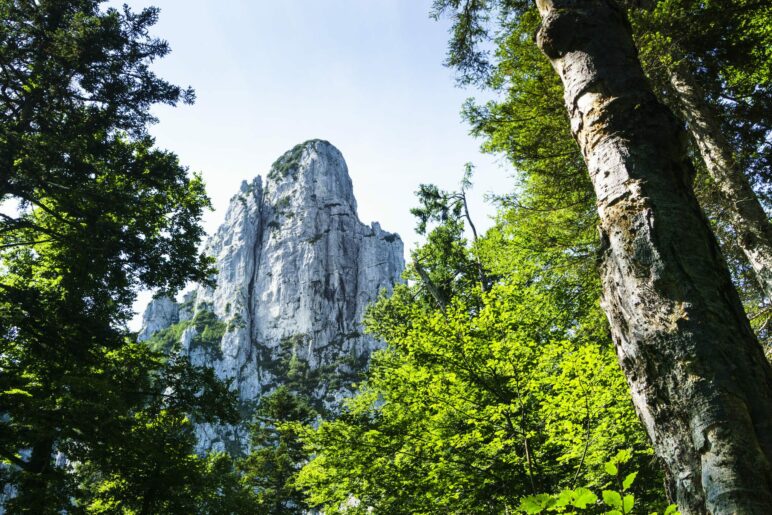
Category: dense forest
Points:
column 603, row 348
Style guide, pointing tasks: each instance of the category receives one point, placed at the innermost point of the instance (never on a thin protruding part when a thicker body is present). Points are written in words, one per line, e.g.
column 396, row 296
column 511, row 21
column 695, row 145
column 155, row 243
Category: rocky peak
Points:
column 296, row 272
column 316, row 174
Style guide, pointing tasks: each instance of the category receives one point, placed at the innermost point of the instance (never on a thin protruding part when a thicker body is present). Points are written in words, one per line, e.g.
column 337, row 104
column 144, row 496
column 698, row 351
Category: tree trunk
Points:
column 748, row 219
column 442, row 302
column 699, row 378
column 34, row 494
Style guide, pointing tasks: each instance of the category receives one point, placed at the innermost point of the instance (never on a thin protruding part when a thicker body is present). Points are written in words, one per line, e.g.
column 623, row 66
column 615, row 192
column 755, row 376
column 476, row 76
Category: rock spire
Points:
column 296, row 272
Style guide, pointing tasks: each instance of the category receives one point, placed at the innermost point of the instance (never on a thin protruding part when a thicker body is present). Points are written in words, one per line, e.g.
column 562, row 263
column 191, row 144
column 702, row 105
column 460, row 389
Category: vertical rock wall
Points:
column 296, row 272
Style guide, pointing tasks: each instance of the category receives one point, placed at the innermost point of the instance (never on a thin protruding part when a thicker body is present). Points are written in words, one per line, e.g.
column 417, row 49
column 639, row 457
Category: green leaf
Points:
column 623, row 456
column 564, row 498
column 583, row 497
column 17, row 391
column 671, row 510
column 627, row 503
column 531, row 504
column 612, row 498
column 614, row 512
column 611, row 469
column 629, row 480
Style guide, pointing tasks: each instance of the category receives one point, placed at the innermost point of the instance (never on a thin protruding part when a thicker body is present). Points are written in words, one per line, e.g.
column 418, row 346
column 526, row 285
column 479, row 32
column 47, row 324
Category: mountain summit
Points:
column 296, row 270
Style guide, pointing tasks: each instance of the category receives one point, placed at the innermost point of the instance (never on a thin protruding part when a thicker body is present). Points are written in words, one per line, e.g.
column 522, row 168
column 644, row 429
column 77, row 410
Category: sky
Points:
column 366, row 75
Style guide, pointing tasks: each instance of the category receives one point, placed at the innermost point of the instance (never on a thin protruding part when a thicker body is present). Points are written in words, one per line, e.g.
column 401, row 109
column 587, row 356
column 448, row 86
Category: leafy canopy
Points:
column 91, row 212
column 486, row 398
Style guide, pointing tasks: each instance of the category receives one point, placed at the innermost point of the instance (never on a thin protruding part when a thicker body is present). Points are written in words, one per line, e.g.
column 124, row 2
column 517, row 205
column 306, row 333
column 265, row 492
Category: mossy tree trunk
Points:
column 699, row 378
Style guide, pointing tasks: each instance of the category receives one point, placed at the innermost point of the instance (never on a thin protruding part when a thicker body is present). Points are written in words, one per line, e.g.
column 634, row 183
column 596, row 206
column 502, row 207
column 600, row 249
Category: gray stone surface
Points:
column 296, row 272
column 159, row 314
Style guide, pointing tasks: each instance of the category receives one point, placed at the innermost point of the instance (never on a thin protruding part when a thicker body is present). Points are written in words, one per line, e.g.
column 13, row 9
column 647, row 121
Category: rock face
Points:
column 296, row 272
column 159, row 314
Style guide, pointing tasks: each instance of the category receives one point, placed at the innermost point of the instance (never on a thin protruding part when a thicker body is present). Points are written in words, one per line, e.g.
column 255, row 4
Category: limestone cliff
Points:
column 296, row 271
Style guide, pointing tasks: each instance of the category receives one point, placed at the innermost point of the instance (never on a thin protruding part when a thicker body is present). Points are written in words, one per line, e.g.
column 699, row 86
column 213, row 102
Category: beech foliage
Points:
column 494, row 396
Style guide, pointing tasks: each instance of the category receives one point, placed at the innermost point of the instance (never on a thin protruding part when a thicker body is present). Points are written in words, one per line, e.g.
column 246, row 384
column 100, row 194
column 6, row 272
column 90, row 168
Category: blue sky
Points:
column 366, row 75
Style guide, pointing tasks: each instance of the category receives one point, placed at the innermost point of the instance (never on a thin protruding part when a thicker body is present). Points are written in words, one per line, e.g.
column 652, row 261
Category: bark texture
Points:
column 747, row 217
column 699, row 378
